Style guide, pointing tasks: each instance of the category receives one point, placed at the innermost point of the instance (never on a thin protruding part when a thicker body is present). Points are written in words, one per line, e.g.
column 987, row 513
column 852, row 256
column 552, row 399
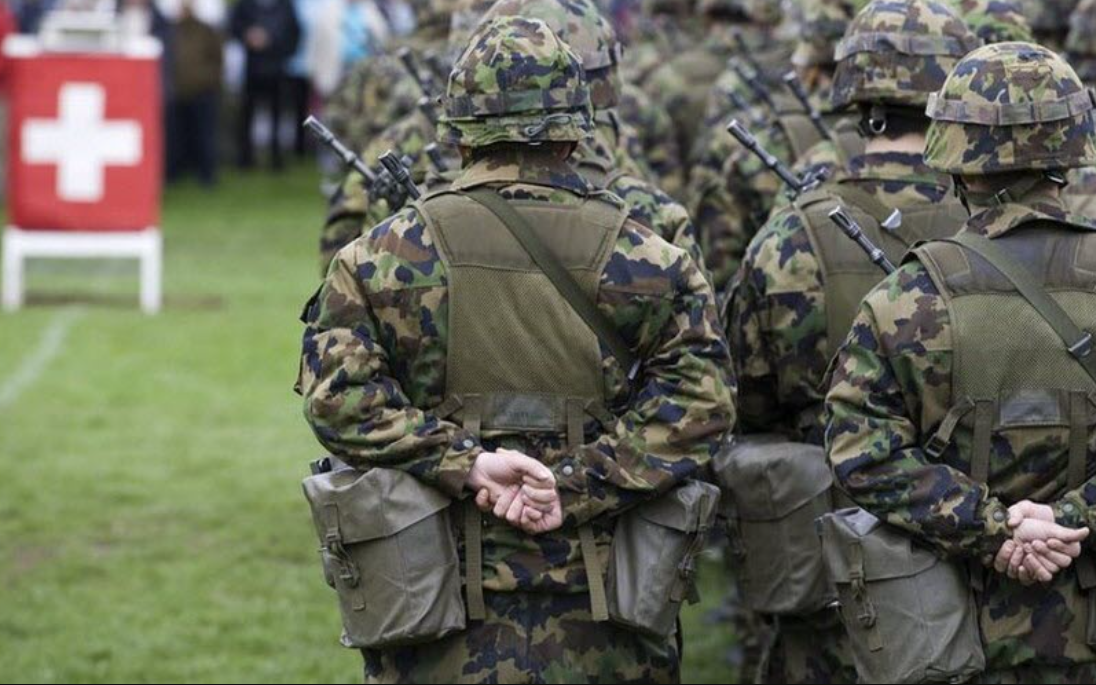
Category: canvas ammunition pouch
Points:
column 652, row 570
column 389, row 549
column 774, row 490
column 911, row 616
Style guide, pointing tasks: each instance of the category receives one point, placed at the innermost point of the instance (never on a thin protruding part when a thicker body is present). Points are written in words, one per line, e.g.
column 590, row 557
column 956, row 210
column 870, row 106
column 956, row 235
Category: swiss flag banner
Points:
column 84, row 139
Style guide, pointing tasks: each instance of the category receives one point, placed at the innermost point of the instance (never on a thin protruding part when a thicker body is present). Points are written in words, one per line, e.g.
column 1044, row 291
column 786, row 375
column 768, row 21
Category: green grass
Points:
column 151, row 523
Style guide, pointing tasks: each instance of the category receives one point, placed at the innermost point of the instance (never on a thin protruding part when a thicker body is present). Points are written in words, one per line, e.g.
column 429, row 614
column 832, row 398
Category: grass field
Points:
column 151, row 523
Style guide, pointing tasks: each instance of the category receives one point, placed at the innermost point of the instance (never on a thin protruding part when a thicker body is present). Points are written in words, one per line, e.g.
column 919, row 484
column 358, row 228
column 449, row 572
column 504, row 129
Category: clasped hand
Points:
column 1039, row 548
column 517, row 489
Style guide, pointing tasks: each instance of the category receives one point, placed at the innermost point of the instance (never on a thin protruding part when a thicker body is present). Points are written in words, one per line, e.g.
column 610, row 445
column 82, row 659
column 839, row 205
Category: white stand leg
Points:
column 146, row 246
column 152, row 261
column 13, row 272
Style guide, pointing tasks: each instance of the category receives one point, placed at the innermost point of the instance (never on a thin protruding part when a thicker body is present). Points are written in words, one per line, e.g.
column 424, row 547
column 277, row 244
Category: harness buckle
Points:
column 1083, row 347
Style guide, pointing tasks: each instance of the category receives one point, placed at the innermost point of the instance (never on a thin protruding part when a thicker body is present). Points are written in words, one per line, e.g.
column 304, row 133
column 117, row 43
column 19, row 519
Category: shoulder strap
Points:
column 1078, row 342
column 558, row 275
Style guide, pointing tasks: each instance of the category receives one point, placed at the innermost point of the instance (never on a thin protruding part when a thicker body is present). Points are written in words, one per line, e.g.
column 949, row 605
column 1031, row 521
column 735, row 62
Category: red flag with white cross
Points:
column 85, row 140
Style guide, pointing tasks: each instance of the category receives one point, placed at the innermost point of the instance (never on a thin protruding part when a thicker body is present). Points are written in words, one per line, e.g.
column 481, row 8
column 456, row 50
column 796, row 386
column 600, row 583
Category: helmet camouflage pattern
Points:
column 516, row 82
column 824, row 23
column 759, row 11
column 899, row 51
column 995, row 21
column 582, row 26
column 1011, row 107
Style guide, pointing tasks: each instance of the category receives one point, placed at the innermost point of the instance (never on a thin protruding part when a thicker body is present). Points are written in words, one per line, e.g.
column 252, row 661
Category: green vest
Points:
column 509, row 373
column 847, row 273
column 1020, row 399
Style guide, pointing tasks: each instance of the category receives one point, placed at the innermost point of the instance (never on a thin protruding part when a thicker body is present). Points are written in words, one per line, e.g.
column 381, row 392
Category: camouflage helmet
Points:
column 1011, row 107
column 995, row 21
column 463, row 22
column 1048, row 16
column 581, row 25
column 898, row 52
column 824, row 23
column 516, row 82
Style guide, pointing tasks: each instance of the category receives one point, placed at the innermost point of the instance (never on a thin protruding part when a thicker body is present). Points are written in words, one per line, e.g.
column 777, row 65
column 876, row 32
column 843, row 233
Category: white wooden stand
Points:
column 19, row 245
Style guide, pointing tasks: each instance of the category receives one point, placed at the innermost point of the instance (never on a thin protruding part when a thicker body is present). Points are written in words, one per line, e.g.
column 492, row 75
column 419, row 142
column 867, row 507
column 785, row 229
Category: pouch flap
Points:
column 687, row 508
column 887, row 553
column 769, row 477
column 367, row 505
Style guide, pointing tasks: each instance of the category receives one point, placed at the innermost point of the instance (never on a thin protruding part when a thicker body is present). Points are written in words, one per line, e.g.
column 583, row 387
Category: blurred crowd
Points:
column 251, row 68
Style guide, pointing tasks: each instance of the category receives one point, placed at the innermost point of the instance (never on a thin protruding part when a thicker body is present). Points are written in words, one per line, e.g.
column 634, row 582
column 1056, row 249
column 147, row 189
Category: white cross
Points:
column 81, row 142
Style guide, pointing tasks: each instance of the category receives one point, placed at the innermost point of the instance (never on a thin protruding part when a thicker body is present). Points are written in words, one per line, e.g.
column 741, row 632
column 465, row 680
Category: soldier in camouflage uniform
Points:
column 352, row 209
column 1049, row 19
column 377, row 370
column 378, row 91
column 1081, row 48
column 996, row 21
column 956, row 412
column 786, row 316
column 730, row 191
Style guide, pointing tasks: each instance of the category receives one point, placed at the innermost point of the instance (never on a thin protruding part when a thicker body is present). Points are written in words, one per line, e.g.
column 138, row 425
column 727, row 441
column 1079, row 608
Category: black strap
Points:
column 1078, row 342
column 567, row 286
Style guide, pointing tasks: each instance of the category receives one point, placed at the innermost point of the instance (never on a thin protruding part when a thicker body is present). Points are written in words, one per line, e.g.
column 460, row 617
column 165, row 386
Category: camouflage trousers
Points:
column 531, row 638
column 1049, row 675
column 810, row 649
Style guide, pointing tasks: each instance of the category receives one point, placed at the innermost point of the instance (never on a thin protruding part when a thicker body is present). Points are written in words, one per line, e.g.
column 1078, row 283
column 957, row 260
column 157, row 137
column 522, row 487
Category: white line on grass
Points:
column 48, row 347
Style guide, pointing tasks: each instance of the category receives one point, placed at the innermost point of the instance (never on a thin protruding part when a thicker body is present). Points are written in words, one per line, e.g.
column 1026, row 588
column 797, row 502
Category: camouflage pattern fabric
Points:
column 777, row 322
column 373, row 367
column 892, row 387
column 658, row 146
column 375, row 93
column 516, row 82
column 531, row 638
column 589, row 34
column 996, row 21
column 1008, row 107
column 809, row 649
column 898, row 52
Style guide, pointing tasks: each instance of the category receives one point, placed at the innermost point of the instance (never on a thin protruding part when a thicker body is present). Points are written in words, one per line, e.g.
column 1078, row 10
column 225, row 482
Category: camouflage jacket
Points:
column 352, row 209
column 891, row 388
column 374, row 360
column 657, row 142
column 647, row 204
column 777, row 322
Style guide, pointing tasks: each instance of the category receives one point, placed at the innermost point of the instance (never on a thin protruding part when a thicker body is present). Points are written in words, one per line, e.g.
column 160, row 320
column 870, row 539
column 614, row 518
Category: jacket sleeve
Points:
column 895, row 362
column 676, row 418
column 353, row 402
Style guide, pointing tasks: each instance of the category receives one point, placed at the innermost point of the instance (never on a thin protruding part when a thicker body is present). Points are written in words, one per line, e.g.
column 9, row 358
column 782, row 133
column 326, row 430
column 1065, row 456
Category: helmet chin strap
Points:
column 1013, row 192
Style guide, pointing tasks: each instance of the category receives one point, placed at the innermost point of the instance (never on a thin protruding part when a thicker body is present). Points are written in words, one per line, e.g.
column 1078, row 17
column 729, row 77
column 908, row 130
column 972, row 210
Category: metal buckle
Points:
column 1083, row 347
column 935, row 446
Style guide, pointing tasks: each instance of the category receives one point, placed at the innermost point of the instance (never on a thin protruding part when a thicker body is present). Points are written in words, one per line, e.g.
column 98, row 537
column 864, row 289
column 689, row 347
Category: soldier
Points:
column 801, row 279
column 960, row 410
column 996, row 21
column 436, row 347
column 378, row 91
column 351, row 210
column 730, row 192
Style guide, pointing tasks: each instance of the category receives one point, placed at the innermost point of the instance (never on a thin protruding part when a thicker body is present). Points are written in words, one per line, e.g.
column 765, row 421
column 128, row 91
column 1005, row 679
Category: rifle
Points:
column 400, row 172
column 427, row 84
column 435, row 157
column 791, row 80
column 754, row 83
column 380, row 184
column 855, row 231
column 795, row 183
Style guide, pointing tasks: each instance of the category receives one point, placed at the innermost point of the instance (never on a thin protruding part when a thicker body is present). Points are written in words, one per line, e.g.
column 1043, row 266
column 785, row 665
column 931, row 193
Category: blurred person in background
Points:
column 346, row 31
column 300, row 72
column 399, row 16
column 199, row 62
column 269, row 32
column 29, row 13
column 142, row 18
